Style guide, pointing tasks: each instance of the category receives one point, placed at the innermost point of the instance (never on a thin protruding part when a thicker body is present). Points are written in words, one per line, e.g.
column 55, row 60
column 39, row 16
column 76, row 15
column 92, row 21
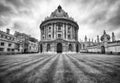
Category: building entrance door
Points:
column 59, row 48
column 77, row 48
column 41, row 48
column 102, row 49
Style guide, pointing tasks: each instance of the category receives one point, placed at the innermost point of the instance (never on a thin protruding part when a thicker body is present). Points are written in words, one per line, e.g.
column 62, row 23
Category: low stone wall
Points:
column 108, row 50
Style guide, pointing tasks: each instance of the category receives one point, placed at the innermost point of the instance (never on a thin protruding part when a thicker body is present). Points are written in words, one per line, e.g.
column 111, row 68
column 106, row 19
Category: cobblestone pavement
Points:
column 60, row 68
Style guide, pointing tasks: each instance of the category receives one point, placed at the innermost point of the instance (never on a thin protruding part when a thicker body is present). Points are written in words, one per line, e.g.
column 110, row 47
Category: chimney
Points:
column 8, row 31
column 104, row 32
column 85, row 38
column 89, row 42
column 98, row 39
column 113, row 37
column 92, row 40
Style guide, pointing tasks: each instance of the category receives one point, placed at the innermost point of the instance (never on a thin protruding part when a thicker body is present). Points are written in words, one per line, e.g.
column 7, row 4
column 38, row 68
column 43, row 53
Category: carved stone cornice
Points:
column 59, row 20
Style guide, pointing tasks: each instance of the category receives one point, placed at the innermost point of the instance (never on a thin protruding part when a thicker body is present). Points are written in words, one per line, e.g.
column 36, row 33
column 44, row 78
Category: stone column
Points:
column 77, row 34
column 72, row 32
column 44, row 47
column 63, row 26
column 53, row 30
column 74, row 47
column 67, row 31
column 56, row 30
column 46, row 32
column 41, row 33
column 55, row 47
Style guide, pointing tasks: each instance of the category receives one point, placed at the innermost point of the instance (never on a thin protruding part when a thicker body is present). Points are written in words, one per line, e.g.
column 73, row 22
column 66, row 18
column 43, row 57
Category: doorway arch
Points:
column 59, row 48
column 41, row 48
column 48, row 47
column 103, row 49
column 77, row 48
column 70, row 47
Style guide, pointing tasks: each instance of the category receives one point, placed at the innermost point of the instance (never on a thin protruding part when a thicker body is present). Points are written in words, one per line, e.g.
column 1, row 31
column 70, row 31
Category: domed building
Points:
column 59, row 33
column 105, row 37
column 108, row 44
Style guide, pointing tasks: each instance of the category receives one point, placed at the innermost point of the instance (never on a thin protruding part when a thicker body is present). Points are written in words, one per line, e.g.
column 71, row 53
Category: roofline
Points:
column 59, row 18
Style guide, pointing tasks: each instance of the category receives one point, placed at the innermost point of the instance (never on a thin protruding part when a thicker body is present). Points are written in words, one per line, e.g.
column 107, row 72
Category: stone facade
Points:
column 17, row 43
column 59, row 33
column 104, row 46
column 8, row 43
column 28, row 43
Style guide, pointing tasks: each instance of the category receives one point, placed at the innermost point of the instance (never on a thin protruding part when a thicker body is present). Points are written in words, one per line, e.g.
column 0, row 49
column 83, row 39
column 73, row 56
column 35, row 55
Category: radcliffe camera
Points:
column 59, row 41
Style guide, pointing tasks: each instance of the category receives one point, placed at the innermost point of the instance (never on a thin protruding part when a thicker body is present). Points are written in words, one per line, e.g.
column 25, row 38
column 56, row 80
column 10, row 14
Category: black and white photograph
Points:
column 59, row 41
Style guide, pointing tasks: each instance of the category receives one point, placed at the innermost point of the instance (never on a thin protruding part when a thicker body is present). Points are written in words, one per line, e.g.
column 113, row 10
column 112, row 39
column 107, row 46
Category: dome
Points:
column 105, row 36
column 59, row 12
column 59, row 16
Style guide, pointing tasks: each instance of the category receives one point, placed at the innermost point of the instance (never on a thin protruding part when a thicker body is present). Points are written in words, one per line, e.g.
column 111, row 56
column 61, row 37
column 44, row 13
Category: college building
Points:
column 28, row 43
column 106, row 44
column 8, row 44
column 17, row 43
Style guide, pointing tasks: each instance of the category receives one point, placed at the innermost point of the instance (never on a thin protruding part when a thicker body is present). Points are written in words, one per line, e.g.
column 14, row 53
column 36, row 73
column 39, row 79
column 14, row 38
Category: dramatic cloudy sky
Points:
column 93, row 16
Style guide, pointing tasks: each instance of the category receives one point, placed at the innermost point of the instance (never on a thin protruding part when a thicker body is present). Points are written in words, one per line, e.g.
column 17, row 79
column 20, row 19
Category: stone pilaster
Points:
column 46, row 32
column 67, row 31
column 77, row 35
column 53, row 30
column 62, row 28
column 41, row 34
column 72, row 32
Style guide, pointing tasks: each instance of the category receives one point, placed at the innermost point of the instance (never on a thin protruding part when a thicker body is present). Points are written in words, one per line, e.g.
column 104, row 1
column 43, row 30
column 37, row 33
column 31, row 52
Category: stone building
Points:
column 28, row 43
column 108, row 44
column 59, row 33
column 8, row 43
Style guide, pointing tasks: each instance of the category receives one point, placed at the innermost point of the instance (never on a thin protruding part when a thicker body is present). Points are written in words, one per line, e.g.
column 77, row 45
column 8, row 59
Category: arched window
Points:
column 102, row 49
column 49, row 35
column 69, row 28
column 59, row 48
column 41, row 48
column 70, row 47
column 49, row 29
column 48, row 47
column 69, row 36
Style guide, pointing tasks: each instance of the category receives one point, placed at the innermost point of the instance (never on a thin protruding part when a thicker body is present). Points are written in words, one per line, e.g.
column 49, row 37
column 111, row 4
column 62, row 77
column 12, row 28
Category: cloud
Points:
column 5, row 12
column 93, row 16
column 115, row 19
column 4, row 21
column 4, row 9
column 97, row 15
column 16, row 3
column 18, row 26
